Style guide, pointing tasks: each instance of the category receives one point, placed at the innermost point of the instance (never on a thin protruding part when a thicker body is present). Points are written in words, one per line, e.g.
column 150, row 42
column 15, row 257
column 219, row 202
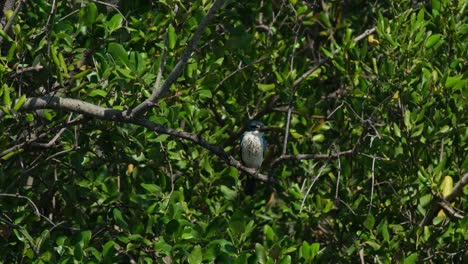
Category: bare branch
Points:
column 177, row 71
column 38, row 67
column 33, row 205
column 228, row 159
column 73, row 105
column 313, row 182
column 52, row 141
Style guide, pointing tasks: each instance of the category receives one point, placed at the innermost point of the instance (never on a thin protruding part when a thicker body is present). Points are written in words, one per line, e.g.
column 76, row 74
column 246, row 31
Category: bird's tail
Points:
column 250, row 185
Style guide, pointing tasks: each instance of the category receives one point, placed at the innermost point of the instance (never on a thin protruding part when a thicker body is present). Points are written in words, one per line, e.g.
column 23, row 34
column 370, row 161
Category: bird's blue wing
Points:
column 264, row 143
column 240, row 147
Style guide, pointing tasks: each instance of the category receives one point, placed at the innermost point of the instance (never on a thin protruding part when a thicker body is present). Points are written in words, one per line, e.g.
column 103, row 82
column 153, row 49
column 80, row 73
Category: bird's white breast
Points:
column 252, row 149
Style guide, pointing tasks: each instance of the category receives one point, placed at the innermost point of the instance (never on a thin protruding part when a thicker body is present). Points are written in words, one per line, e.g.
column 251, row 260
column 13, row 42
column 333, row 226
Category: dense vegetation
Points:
column 120, row 125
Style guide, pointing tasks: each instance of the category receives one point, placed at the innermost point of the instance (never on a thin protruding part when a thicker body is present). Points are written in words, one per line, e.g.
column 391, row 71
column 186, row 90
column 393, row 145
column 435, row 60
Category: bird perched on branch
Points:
column 253, row 145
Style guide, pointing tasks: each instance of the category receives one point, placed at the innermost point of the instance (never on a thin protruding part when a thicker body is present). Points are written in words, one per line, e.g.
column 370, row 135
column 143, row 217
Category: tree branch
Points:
column 73, row 105
column 284, row 158
column 32, row 140
column 177, row 71
column 12, row 18
column 321, row 63
column 439, row 201
column 77, row 106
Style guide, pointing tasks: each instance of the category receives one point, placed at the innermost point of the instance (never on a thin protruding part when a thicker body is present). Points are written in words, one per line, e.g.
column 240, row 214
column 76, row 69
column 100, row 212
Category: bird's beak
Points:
column 263, row 128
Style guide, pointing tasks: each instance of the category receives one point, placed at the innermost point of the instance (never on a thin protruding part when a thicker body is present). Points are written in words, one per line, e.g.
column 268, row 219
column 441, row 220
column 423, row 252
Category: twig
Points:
column 266, row 109
column 450, row 210
column 38, row 67
column 115, row 7
column 325, row 60
column 239, row 68
column 76, row 121
column 338, row 178
column 8, row 221
column 284, row 158
column 365, row 34
column 51, row 14
column 312, row 184
column 372, row 185
column 157, row 83
column 292, row 91
column 12, row 18
column 33, row 205
column 51, row 142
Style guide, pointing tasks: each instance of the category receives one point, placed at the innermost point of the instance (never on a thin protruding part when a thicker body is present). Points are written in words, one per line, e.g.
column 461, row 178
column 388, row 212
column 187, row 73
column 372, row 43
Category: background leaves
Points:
column 112, row 192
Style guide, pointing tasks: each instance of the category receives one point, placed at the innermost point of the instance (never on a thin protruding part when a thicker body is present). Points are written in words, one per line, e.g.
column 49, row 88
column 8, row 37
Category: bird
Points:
column 253, row 145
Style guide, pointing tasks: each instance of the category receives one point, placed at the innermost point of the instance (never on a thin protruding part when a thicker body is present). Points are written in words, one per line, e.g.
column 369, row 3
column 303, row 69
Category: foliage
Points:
column 114, row 192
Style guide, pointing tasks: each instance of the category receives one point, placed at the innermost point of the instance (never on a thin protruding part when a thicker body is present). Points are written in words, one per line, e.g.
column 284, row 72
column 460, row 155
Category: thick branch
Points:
column 228, row 159
column 77, row 106
column 177, row 71
column 73, row 105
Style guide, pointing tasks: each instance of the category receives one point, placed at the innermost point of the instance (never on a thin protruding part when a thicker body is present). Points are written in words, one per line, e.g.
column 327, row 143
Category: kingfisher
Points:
column 253, row 145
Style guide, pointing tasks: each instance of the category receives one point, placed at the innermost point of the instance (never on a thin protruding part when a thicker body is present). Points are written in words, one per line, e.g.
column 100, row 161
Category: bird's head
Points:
column 255, row 125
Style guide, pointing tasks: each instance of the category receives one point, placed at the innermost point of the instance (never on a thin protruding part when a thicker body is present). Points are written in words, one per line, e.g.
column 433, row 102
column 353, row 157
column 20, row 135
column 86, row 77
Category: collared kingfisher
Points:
column 253, row 145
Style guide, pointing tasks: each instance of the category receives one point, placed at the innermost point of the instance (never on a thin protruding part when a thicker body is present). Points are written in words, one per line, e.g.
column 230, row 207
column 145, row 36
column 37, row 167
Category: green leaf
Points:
column 88, row 14
column 433, row 40
column 261, row 253
column 306, row 251
column 118, row 53
column 318, row 138
column 161, row 138
column 195, row 256
column 270, row 233
column 314, row 249
column 397, row 130
column 407, row 119
column 20, row 102
column 98, row 92
column 456, row 82
column 384, row 231
column 152, row 188
column 114, row 23
column 286, row 260
column 119, row 219
column 108, row 249
column 369, row 222
column 266, row 87
column 85, row 237
column 228, row 193
column 205, row 93
column 11, row 154
column 374, row 245
column 6, row 96
column 324, row 18
column 163, row 247
column 411, row 259
column 172, row 37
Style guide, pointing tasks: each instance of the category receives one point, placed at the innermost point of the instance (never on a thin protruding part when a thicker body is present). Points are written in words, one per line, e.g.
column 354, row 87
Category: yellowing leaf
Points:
column 372, row 40
column 447, row 187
